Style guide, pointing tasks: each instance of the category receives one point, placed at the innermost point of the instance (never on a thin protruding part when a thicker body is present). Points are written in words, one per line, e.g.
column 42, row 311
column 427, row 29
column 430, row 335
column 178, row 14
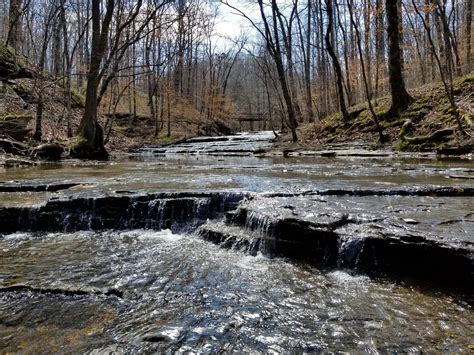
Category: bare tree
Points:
column 335, row 62
column 90, row 133
column 364, row 75
column 271, row 35
column 468, row 24
column 400, row 97
column 14, row 35
column 447, row 81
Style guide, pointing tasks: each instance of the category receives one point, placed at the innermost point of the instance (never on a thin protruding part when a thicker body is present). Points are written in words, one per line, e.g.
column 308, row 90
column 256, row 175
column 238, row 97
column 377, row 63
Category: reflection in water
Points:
column 181, row 293
column 193, row 172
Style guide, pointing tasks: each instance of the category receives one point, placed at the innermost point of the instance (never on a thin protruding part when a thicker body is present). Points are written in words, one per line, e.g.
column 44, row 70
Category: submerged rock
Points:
column 156, row 338
column 22, row 187
column 61, row 291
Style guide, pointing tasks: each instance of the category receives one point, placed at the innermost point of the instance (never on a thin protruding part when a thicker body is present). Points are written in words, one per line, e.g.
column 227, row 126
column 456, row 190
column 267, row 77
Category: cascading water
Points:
column 180, row 293
column 111, row 261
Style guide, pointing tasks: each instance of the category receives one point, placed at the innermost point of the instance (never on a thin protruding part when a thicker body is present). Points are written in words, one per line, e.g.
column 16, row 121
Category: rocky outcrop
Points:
column 175, row 211
column 23, row 187
column 239, row 144
column 217, row 128
column 14, row 147
column 13, row 65
column 389, row 233
column 377, row 243
column 15, row 126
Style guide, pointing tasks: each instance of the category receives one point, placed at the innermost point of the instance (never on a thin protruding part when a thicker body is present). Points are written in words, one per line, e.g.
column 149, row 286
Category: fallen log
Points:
column 14, row 147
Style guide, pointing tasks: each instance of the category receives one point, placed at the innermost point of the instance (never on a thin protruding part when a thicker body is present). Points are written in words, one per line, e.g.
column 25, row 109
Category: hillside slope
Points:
column 427, row 125
column 21, row 86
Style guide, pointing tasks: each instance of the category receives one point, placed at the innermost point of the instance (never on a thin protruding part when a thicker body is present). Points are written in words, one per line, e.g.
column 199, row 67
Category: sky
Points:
column 230, row 24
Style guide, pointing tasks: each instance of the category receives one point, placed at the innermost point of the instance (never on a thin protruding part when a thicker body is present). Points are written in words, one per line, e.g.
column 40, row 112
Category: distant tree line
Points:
column 308, row 59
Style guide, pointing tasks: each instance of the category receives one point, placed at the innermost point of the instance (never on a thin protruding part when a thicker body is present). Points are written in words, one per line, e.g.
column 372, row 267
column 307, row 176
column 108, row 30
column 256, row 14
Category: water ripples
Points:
column 181, row 293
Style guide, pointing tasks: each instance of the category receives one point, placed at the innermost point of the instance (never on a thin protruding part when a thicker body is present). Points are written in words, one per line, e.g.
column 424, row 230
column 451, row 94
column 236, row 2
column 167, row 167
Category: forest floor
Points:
column 427, row 125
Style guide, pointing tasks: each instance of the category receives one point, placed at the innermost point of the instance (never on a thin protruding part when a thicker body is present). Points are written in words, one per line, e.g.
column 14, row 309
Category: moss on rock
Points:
column 13, row 65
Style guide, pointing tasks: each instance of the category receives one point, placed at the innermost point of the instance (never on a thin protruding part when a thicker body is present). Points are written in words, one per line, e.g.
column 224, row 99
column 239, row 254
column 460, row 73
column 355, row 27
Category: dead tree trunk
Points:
column 14, row 26
column 468, row 22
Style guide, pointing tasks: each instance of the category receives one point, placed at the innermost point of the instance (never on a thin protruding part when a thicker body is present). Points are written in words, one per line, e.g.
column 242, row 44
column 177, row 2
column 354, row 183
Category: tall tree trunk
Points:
column 400, row 32
column 367, row 54
column 335, row 61
column 400, row 97
column 440, row 40
column 272, row 39
column 447, row 81
column 38, row 135
column 68, row 68
column 379, row 44
column 15, row 24
column 307, row 69
column 468, row 24
column 57, row 55
column 427, row 19
column 453, row 64
column 349, row 93
column 90, row 133
column 364, row 75
column 418, row 49
column 151, row 81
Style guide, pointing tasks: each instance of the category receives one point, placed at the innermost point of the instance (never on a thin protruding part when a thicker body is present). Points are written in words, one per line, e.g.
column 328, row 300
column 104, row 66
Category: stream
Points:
column 212, row 246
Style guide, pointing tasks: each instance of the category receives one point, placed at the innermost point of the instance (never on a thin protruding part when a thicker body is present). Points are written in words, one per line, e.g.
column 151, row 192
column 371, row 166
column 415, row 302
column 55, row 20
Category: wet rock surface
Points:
column 413, row 234
column 49, row 151
column 404, row 238
column 181, row 293
column 173, row 211
column 36, row 187
column 233, row 145
column 117, row 256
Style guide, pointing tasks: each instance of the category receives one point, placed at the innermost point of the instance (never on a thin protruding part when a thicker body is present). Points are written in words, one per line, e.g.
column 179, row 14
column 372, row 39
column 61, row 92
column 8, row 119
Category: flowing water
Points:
column 142, row 290
column 182, row 293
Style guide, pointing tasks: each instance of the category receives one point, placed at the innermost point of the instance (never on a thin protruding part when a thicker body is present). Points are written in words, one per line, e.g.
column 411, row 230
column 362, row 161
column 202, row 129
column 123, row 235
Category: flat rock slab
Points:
column 415, row 233
column 440, row 218
column 412, row 237
column 35, row 187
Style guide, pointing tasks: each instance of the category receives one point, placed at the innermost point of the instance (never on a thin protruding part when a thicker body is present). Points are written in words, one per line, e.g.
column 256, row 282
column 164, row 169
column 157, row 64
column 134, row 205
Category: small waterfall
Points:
column 231, row 237
column 260, row 228
column 274, row 236
column 349, row 249
column 175, row 211
column 233, row 221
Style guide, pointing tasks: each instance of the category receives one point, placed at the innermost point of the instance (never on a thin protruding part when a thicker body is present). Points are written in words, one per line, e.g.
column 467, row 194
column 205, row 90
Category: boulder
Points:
column 15, row 126
column 49, row 151
column 217, row 128
column 13, row 65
